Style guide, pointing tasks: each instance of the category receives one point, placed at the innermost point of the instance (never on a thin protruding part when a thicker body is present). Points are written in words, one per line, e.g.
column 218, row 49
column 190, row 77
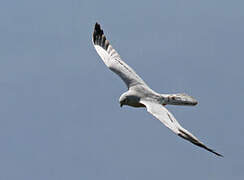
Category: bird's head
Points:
column 123, row 100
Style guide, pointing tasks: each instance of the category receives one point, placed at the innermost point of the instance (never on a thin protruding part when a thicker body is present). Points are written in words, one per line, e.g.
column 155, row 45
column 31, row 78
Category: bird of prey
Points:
column 139, row 94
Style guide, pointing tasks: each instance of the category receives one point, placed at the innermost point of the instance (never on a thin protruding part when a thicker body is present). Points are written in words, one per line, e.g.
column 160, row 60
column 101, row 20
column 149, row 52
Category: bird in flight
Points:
column 139, row 94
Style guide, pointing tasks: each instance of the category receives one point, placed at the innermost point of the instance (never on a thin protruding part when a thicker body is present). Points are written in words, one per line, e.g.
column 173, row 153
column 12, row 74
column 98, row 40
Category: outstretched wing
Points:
column 112, row 59
column 161, row 113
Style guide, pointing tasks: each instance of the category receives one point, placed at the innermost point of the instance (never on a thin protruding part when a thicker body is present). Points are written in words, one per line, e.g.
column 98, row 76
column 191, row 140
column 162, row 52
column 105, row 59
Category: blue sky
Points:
column 59, row 109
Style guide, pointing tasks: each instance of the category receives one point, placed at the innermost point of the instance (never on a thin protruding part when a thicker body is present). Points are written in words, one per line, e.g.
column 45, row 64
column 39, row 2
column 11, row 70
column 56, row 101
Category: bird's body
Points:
column 139, row 94
column 134, row 95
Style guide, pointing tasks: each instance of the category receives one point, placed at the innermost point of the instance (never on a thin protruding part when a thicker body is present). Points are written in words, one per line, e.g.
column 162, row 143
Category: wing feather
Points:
column 112, row 59
column 162, row 114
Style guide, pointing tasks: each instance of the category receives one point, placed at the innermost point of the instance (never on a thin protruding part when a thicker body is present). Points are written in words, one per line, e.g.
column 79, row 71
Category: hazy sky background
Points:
column 59, row 112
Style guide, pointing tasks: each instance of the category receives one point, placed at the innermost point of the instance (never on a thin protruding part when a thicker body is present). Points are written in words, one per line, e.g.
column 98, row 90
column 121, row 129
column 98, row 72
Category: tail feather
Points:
column 179, row 99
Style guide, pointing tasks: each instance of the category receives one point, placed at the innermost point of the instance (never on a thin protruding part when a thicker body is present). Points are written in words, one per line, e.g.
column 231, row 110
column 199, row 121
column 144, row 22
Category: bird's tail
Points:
column 179, row 99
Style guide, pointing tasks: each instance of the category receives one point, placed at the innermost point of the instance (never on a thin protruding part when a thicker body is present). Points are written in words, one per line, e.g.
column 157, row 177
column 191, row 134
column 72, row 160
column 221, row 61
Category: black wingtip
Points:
column 189, row 138
column 99, row 37
column 97, row 29
column 220, row 155
column 210, row 150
